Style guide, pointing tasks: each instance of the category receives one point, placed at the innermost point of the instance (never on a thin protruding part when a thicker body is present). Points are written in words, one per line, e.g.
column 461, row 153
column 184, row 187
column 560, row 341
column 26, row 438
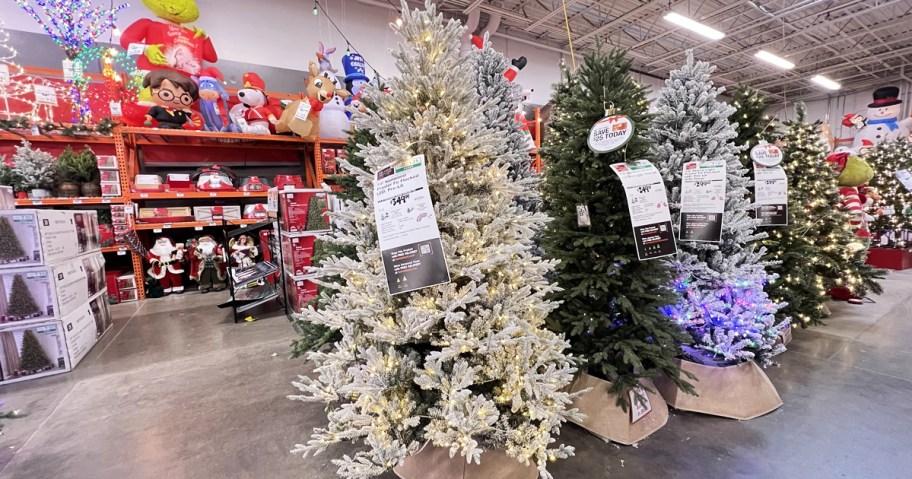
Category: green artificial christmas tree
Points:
column 466, row 366
column 32, row 357
column 751, row 121
column 818, row 250
column 610, row 302
column 894, row 221
column 21, row 302
column 316, row 210
column 10, row 247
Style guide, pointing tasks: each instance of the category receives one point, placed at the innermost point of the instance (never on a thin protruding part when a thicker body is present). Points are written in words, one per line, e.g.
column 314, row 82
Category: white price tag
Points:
column 303, row 110
column 610, row 133
column 157, row 230
column 116, row 108
column 77, row 202
column 198, row 228
column 179, row 195
column 213, row 194
column 246, row 193
column 37, row 202
column 144, row 195
column 68, row 74
column 121, row 252
column 582, row 216
column 241, row 122
column 135, row 49
column 166, row 226
column 4, row 74
column 45, row 95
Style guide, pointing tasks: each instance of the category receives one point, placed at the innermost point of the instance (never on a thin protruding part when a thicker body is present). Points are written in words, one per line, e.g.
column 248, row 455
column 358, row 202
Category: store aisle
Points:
column 176, row 390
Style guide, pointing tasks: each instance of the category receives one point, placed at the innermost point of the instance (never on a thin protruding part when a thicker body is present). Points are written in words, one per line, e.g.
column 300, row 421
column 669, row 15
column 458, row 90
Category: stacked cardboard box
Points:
column 303, row 220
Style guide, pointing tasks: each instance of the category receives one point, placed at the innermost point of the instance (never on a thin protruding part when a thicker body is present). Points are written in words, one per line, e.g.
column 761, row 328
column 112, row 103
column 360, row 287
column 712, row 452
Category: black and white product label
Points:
column 407, row 228
column 771, row 195
column 640, row 405
column 647, row 202
column 702, row 201
column 905, row 177
column 582, row 216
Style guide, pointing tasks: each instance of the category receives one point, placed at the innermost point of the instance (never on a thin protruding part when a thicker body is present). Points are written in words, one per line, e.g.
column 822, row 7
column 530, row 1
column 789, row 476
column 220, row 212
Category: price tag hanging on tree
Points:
column 702, row 201
column 771, row 195
column 766, row 154
column 582, row 216
column 647, row 202
column 610, row 133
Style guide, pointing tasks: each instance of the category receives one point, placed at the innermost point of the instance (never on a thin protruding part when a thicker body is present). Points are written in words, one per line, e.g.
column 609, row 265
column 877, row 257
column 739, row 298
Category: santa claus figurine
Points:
column 883, row 122
column 165, row 260
column 243, row 251
column 207, row 264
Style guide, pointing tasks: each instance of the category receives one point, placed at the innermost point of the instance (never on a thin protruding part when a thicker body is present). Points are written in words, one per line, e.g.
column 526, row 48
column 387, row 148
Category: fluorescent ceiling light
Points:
column 825, row 82
column 694, row 26
column 774, row 60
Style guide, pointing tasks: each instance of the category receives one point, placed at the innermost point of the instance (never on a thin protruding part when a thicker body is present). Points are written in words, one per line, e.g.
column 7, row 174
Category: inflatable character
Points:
column 168, row 44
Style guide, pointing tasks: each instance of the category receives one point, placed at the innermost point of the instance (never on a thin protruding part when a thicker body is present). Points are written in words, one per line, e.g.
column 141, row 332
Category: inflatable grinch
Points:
column 167, row 44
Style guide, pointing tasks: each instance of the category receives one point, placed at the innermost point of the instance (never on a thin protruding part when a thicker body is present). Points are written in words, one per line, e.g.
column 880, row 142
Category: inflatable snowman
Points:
column 334, row 123
column 883, row 122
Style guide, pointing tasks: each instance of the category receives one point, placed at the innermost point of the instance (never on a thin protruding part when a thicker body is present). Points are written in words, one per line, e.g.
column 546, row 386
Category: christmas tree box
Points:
column 301, row 290
column 303, row 210
column 33, row 351
column 40, row 293
column 106, row 162
column 34, row 237
column 297, row 252
column 85, row 326
column 110, row 176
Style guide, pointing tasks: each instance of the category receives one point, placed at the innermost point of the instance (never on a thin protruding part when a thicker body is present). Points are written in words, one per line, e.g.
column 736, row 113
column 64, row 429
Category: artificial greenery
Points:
column 32, row 168
column 104, row 127
column 751, row 121
column 81, row 167
column 610, row 303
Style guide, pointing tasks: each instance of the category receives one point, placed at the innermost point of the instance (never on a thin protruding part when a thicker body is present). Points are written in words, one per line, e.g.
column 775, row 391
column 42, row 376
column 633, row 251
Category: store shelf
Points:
column 190, row 224
column 116, row 249
column 250, row 274
column 70, row 201
column 57, row 138
column 333, row 142
column 174, row 195
column 171, row 138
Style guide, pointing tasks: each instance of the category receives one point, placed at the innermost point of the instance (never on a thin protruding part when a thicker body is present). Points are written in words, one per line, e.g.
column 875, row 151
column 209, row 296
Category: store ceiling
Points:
column 859, row 43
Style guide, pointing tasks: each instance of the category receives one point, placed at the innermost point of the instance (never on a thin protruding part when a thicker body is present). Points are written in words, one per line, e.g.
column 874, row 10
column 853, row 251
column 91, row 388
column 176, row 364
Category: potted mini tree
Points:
column 68, row 173
column 89, row 175
column 34, row 170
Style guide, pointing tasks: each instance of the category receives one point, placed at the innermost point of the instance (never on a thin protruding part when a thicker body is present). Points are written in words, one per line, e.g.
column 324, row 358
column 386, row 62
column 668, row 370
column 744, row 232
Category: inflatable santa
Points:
column 165, row 260
column 883, row 121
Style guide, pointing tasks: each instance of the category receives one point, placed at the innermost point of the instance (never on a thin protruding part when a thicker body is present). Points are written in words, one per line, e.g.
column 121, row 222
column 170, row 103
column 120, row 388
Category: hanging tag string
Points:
column 569, row 37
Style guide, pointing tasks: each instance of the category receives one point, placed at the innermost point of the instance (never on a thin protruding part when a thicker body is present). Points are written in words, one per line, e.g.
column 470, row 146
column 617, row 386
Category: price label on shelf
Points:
column 157, row 230
column 198, row 228
column 166, row 226
column 246, row 193
column 77, row 202
column 106, row 201
column 144, row 195
column 213, row 194
column 179, row 195
column 37, row 202
column 121, row 252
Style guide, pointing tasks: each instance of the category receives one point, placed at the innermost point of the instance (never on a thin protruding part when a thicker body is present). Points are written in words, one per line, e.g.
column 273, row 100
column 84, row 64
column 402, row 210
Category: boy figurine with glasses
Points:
column 173, row 93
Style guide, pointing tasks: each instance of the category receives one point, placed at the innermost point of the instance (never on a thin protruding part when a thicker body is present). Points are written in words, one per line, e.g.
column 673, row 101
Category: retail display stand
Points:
column 254, row 285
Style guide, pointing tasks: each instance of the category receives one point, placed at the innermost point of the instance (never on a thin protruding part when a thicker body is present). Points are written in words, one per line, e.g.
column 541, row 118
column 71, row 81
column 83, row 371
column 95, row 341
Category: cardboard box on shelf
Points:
column 106, row 162
column 126, row 281
column 110, row 189
column 111, row 285
column 217, row 213
column 303, row 210
column 301, row 290
column 165, row 215
column 256, row 211
column 328, row 155
column 34, row 237
column 85, row 326
column 127, row 295
column 110, row 176
column 297, row 253
column 39, row 293
column 7, row 199
column 32, row 351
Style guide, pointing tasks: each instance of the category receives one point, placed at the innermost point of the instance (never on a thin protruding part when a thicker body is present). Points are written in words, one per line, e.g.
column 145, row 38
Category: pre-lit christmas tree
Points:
column 721, row 301
column 21, row 302
column 32, row 357
column 10, row 246
column 467, row 365
column 751, row 121
column 896, row 199
column 818, row 250
column 610, row 302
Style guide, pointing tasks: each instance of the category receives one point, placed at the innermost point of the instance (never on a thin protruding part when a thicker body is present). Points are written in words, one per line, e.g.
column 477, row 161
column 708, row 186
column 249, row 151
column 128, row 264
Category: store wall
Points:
column 283, row 36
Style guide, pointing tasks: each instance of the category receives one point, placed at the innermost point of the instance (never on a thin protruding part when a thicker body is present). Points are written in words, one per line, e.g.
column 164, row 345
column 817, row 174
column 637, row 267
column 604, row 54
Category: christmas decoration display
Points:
column 165, row 264
column 610, row 301
column 21, row 303
column 302, row 117
column 10, row 247
column 853, row 173
column 464, row 366
column 892, row 163
column 35, row 170
column 18, row 87
column 521, row 118
column 334, row 122
column 32, row 357
column 207, row 264
column 501, row 97
column 258, row 117
column 751, row 122
column 882, row 122
column 172, row 93
column 355, row 72
column 818, row 249
column 243, row 251
column 323, row 58
column 210, row 92
column 168, row 44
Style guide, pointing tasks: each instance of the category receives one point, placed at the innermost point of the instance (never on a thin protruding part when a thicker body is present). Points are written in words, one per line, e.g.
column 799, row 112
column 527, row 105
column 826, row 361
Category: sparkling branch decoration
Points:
column 14, row 84
column 467, row 366
column 74, row 25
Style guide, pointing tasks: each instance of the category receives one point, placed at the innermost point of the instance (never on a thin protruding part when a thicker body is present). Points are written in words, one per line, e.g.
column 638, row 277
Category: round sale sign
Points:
column 610, row 133
column 766, row 154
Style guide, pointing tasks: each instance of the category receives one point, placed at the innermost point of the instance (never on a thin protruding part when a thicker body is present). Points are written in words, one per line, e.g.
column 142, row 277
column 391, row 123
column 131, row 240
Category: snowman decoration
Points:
column 883, row 122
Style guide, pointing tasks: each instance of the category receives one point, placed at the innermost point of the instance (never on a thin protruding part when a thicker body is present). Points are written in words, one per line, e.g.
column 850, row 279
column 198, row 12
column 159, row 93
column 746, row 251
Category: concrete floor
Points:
column 177, row 390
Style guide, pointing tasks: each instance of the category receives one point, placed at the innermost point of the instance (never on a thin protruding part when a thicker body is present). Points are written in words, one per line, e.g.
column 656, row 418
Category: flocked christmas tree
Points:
column 610, row 300
column 895, row 206
column 467, row 365
column 34, row 167
column 32, row 357
column 751, row 121
column 10, row 246
column 721, row 301
column 21, row 302
column 818, row 250
column 500, row 98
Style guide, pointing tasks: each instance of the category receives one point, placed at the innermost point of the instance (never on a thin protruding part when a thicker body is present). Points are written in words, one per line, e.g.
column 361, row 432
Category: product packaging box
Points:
column 39, row 293
column 33, row 237
column 255, row 212
column 126, row 281
column 7, row 199
column 128, row 295
column 328, row 157
column 32, row 351
column 85, row 326
column 107, row 162
column 111, row 285
column 217, row 213
column 110, row 189
column 301, row 291
column 110, row 176
column 165, row 215
column 297, row 252
column 303, row 210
